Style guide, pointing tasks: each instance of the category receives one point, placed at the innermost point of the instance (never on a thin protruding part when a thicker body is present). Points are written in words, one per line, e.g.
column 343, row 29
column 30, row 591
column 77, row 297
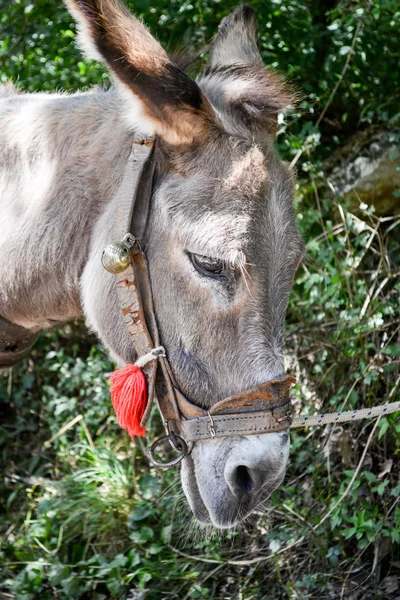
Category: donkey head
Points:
column 222, row 240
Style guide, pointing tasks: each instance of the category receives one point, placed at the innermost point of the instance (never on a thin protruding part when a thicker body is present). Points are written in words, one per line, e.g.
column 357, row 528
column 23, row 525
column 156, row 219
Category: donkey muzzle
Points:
column 263, row 409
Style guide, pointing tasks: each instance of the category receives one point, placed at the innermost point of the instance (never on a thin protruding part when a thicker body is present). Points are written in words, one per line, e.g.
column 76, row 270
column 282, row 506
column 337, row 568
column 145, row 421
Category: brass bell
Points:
column 116, row 257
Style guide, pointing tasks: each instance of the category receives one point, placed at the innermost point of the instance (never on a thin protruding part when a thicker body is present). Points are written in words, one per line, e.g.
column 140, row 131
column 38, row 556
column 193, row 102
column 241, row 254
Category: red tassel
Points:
column 129, row 398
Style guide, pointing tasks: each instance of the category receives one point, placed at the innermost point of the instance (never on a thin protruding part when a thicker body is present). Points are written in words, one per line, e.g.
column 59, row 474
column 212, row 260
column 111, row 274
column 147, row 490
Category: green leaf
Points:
column 114, row 587
column 143, row 535
column 57, row 574
column 119, row 561
column 333, row 26
column 393, row 349
column 166, row 534
column 395, row 491
column 383, row 427
column 141, row 512
column 348, row 533
column 380, row 489
column 344, row 50
column 395, row 535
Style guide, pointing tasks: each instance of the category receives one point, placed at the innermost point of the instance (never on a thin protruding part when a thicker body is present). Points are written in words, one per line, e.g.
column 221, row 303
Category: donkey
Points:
column 222, row 241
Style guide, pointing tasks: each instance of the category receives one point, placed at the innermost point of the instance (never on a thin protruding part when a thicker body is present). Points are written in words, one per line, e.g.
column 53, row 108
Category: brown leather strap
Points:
column 135, row 321
column 167, row 396
column 265, row 408
column 146, row 322
column 139, row 217
column 133, row 284
column 140, row 208
column 263, row 397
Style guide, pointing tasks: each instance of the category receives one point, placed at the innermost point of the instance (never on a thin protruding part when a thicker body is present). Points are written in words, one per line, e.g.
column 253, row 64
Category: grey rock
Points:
column 368, row 170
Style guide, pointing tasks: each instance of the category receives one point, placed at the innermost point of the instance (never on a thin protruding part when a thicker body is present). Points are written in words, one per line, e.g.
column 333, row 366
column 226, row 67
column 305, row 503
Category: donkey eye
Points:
column 211, row 267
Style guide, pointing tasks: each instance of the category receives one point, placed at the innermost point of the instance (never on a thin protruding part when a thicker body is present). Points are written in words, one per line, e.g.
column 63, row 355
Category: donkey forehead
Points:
column 223, row 206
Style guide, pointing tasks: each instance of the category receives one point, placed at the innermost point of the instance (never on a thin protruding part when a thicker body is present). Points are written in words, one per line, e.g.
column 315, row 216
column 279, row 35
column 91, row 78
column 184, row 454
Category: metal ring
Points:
column 177, row 443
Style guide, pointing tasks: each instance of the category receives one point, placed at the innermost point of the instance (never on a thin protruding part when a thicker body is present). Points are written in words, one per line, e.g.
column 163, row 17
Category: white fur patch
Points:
column 133, row 112
column 248, row 173
column 235, row 88
column 214, row 235
column 35, row 178
column 84, row 39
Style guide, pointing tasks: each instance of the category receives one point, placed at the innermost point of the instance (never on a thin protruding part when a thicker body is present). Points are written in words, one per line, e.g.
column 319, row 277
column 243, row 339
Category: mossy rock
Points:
column 368, row 170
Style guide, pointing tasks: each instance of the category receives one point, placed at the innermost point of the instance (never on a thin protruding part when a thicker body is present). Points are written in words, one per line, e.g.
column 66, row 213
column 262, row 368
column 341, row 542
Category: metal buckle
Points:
column 177, row 443
column 212, row 428
column 288, row 416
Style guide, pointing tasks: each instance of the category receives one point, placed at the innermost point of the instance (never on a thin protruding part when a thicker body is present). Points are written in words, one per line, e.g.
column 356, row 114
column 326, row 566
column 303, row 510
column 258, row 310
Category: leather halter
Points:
column 263, row 409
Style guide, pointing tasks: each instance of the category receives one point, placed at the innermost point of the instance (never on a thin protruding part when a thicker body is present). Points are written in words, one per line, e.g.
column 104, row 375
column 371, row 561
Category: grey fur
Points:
column 228, row 196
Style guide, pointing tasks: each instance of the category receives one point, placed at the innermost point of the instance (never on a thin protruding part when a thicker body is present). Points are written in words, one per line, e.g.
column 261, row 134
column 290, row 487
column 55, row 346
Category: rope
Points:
column 349, row 415
column 152, row 355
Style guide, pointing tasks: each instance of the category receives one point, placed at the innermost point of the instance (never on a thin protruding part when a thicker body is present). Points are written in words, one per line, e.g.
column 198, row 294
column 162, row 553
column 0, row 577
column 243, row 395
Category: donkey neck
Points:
column 62, row 158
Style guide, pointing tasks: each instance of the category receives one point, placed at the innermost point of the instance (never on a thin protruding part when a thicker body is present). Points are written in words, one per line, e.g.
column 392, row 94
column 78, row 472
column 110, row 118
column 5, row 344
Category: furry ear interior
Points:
column 245, row 93
column 160, row 97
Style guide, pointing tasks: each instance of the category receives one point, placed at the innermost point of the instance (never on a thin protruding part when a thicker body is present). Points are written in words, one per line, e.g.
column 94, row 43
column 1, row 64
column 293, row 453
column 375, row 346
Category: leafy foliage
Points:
column 83, row 514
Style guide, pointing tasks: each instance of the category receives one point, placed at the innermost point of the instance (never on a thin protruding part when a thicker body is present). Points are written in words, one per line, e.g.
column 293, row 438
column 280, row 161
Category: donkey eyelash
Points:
column 207, row 266
column 212, row 268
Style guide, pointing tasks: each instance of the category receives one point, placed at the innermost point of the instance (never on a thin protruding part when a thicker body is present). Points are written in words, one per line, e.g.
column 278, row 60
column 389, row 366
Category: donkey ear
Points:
column 236, row 40
column 244, row 92
column 161, row 98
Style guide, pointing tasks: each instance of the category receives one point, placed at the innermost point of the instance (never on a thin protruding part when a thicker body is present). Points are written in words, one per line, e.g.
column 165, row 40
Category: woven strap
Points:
column 349, row 415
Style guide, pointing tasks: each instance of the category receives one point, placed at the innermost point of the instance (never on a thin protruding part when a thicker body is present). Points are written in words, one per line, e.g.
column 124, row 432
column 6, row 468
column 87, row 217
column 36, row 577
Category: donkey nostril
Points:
column 244, row 480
